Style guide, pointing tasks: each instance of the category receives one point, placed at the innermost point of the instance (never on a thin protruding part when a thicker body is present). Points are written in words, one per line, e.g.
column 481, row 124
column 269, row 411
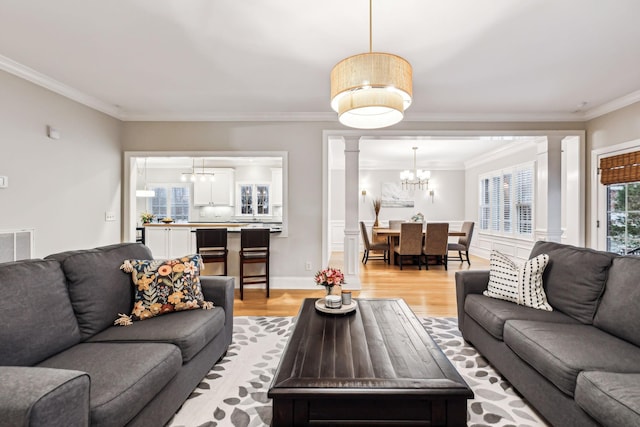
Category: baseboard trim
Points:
column 304, row 283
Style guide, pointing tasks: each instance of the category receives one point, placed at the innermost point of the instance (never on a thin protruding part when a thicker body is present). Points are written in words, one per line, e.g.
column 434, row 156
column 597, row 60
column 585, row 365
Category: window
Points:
column 485, row 204
column 253, row 199
column 506, row 201
column 170, row 201
column 623, row 218
column 524, row 200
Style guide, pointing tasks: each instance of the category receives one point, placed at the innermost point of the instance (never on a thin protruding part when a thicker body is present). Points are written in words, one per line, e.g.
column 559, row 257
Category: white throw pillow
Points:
column 522, row 285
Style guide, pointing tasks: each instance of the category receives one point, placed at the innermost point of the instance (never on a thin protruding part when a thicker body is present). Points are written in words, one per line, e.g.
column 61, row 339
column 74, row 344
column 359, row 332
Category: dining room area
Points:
column 419, row 184
column 417, row 241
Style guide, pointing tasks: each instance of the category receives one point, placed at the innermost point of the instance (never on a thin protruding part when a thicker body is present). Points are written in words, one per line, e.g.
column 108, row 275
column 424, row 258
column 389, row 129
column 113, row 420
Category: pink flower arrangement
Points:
column 329, row 277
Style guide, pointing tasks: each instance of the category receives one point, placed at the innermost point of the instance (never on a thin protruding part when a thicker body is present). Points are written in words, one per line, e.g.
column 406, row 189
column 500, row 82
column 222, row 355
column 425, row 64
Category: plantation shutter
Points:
column 506, row 202
column 495, row 203
column 524, row 201
column 621, row 168
column 485, row 206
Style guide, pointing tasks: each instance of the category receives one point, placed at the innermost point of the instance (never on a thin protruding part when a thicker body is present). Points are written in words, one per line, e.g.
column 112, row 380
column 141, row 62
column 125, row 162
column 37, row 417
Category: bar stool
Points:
column 211, row 244
column 254, row 249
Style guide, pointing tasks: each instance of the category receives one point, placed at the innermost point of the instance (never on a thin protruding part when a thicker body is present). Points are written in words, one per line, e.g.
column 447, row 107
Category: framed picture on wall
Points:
column 393, row 196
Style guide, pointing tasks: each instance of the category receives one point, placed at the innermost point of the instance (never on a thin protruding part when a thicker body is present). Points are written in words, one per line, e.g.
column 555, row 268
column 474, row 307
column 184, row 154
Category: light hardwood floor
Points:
column 428, row 293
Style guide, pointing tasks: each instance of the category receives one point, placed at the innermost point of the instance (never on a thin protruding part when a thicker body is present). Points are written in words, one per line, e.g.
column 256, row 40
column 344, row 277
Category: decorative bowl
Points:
column 167, row 220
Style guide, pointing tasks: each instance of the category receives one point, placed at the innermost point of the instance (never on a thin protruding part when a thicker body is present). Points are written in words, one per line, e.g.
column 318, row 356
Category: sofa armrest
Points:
column 220, row 291
column 31, row 396
column 469, row 282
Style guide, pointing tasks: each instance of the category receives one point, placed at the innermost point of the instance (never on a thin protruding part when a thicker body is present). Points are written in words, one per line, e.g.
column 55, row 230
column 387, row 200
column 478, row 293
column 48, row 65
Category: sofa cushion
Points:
column 560, row 351
column 98, row 289
column 491, row 313
column 612, row 399
column 164, row 286
column 519, row 284
column 618, row 311
column 124, row 376
column 190, row 331
column 574, row 279
column 35, row 312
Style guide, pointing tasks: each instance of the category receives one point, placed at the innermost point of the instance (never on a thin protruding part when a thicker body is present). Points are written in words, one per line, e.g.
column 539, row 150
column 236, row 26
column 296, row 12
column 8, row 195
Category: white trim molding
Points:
column 33, row 76
column 482, row 245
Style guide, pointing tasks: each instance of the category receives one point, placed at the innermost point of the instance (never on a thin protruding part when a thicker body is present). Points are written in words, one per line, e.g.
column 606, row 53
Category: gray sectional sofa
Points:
column 63, row 363
column 578, row 365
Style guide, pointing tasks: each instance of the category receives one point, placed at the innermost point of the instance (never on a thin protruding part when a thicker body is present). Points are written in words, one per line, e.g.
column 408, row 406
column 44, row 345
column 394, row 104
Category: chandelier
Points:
column 416, row 179
column 371, row 90
column 196, row 175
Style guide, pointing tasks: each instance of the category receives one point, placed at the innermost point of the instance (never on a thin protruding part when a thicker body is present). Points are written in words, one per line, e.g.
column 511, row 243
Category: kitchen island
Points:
column 176, row 240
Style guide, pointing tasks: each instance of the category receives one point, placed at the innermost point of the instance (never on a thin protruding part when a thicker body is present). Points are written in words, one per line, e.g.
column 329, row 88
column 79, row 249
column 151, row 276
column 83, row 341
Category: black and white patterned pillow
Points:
column 522, row 285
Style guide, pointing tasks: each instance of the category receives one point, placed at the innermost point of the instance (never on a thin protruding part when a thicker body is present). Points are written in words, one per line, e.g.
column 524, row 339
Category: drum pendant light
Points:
column 371, row 90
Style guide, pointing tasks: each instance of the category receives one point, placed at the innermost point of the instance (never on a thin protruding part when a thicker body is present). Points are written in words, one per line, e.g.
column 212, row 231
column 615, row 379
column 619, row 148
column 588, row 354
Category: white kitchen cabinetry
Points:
column 215, row 193
column 276, row 186
column 169, row 242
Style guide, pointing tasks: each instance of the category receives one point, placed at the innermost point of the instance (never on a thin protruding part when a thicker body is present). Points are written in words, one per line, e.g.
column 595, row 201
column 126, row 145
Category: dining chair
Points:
column 254, row 249
column 410, row 244
column 211, row 244
column 435, row 242
column 375, row 246
column 464, row 242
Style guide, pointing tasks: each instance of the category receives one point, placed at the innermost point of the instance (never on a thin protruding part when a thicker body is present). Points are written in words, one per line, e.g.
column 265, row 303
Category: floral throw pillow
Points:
column 164, row 286
column 519, row 284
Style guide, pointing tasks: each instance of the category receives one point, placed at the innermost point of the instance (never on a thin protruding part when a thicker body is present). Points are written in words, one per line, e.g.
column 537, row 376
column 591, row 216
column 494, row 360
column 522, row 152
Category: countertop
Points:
column 199, row 224
column 232, row 227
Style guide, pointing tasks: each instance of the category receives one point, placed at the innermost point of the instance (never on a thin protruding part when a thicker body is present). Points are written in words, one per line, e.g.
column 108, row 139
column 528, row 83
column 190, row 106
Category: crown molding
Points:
column 495, row 117
column 230, row 117
column 510, row 149
column 616, row 104
column 332, row 117
column 398, row 166
column 112, row 110
column 29, row 74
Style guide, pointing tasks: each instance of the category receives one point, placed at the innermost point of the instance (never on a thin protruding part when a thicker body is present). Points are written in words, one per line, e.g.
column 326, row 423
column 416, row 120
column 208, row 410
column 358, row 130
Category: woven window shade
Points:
column 620, row 168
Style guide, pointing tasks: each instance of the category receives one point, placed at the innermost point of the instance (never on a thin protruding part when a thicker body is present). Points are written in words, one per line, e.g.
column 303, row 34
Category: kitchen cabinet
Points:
column 276, row 186
column 169, row 242
column 215, row 193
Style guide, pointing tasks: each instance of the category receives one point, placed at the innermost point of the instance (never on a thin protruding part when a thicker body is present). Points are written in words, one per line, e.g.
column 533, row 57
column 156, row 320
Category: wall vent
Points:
column 16, row 244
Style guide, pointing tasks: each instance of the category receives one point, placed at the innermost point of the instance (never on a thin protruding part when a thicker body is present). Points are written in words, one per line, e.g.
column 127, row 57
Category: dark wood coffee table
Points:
column 374, row 366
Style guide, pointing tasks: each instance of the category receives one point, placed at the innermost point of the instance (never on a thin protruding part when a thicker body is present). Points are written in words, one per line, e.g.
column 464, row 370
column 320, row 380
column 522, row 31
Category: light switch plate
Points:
column 4, row 181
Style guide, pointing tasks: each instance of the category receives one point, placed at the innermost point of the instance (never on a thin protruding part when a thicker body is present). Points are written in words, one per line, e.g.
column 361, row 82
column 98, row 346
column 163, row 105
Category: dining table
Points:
column 393, row 235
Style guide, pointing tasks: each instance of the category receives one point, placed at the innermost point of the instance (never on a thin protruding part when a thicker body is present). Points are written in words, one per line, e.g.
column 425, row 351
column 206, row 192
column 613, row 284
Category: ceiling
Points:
column 432, row 152
column 270, row 59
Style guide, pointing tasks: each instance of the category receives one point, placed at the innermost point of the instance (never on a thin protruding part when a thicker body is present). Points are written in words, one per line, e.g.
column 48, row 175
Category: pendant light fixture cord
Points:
column 370, row 27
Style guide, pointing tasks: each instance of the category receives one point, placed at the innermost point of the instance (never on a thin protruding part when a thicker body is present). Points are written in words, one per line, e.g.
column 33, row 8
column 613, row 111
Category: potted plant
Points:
column 332, row 279
column 146, row 217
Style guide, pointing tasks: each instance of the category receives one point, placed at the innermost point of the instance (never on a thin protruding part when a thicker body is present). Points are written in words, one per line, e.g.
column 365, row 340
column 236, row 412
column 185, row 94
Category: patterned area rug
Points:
column 234, row 393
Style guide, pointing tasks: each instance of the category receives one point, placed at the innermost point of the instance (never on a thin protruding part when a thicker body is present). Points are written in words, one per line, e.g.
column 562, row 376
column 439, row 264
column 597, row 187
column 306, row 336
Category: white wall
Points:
column 61, row 188
column 302, row 141
column 448, row 201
